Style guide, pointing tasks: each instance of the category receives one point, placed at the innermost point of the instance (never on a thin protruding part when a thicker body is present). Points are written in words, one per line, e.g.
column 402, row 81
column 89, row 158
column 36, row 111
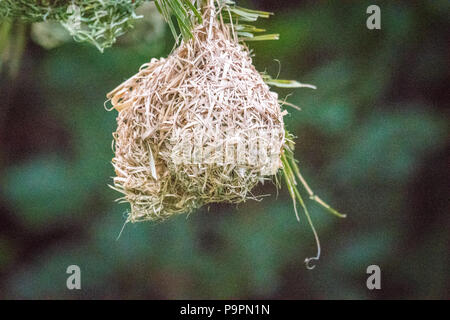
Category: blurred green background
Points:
column 372, row 140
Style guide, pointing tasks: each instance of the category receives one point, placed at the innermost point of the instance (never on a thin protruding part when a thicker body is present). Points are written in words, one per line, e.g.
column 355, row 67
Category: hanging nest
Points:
column 198, row 127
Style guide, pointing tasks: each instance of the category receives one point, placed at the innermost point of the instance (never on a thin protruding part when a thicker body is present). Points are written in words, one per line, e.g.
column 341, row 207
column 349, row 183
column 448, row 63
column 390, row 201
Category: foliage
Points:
column 99, row 22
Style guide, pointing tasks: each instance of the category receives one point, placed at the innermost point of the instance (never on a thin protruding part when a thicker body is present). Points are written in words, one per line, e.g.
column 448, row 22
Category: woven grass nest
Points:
column 197, row 127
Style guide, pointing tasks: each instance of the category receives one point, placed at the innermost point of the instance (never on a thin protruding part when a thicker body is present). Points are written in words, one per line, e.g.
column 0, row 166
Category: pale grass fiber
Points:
column 198, row 127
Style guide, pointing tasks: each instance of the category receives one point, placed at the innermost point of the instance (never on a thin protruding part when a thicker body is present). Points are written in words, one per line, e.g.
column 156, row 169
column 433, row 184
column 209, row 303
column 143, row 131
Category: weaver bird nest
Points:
column 198, row 127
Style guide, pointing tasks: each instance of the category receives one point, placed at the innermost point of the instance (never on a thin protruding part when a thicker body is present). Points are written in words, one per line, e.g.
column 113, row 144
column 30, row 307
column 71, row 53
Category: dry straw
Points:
column 198, row 127
column 202, row 126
